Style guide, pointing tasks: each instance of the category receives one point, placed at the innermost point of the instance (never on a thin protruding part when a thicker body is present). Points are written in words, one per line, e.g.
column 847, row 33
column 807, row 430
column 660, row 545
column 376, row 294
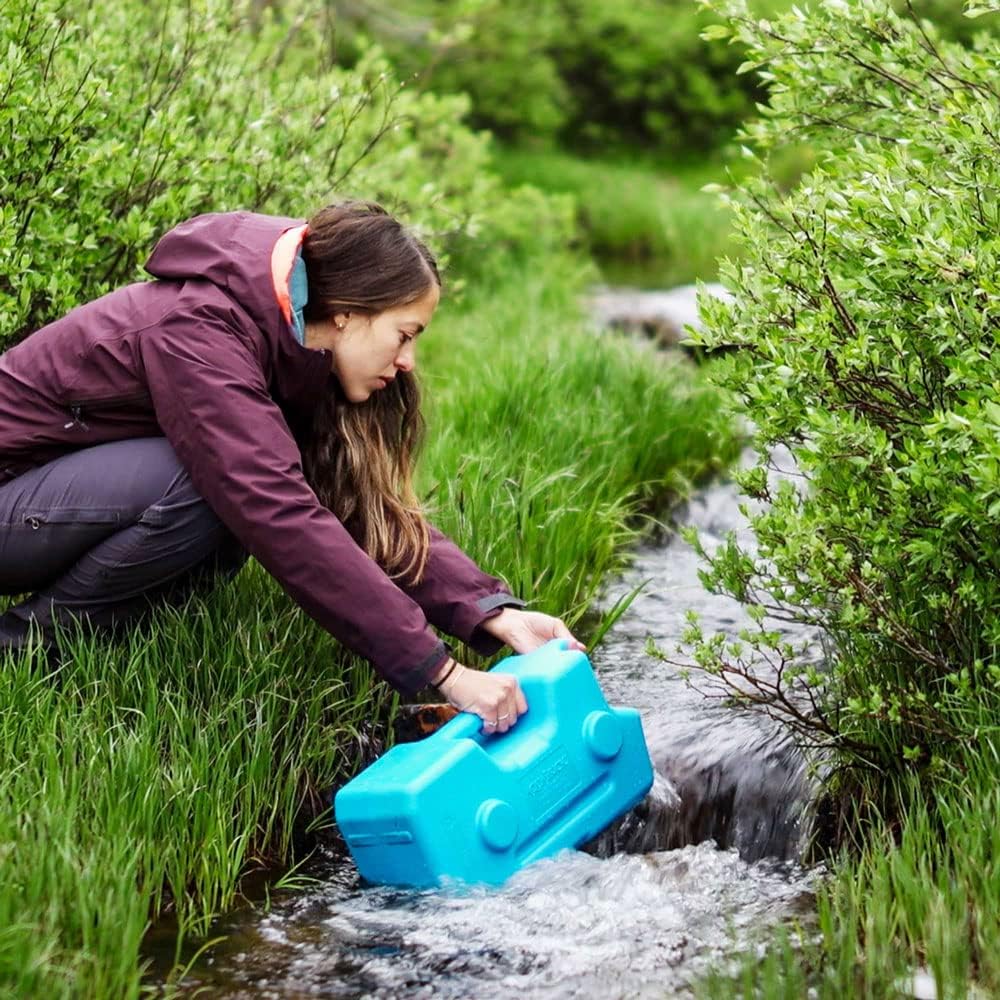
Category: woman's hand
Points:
column 496, row 698
column 524, row 631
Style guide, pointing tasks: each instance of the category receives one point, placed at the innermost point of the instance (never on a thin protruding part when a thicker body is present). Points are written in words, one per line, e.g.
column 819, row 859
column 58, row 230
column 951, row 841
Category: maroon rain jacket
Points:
column 205, row 355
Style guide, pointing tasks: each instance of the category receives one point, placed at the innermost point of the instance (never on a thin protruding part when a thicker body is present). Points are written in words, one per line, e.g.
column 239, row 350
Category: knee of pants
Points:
column 183, row 519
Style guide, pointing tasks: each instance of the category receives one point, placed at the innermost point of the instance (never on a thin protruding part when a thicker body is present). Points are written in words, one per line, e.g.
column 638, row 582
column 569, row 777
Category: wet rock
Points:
column 745, row 787
column 414, row 722
column 661, row 316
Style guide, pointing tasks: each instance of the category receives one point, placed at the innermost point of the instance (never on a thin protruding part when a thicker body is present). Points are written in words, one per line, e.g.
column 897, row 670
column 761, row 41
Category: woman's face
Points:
column 369, row 351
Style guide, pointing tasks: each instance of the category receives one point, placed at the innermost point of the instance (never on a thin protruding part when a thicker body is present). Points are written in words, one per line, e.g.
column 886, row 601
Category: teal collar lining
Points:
column 298, row 293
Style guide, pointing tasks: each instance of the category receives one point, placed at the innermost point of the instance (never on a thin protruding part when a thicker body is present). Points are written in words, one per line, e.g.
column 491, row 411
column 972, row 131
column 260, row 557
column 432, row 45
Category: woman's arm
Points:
column 212, row 403
column 458, row 597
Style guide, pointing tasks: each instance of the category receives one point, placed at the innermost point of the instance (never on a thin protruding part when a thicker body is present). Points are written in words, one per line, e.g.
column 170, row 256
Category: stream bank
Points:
column 680, row 886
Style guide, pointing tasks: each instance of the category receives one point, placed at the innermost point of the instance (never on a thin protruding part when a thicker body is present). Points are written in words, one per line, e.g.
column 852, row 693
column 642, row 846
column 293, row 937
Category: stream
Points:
column 699, row 871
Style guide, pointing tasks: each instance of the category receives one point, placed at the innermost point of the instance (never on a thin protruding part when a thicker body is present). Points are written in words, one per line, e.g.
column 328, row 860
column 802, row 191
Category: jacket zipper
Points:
column 106, row 400
column 76, row 411
column 76, row 406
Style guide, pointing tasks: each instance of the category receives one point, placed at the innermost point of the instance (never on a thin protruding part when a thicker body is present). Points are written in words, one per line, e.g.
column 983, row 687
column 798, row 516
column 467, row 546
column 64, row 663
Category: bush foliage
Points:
column 866, row 311
column 586, row 74
column 120, row 120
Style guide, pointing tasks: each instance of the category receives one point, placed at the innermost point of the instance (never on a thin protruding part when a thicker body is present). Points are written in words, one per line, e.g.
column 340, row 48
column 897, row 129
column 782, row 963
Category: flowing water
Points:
column 701, row 869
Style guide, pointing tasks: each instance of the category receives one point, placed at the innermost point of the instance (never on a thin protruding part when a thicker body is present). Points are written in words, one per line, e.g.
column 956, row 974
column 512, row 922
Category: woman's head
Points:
column 373, row 287
column 360, row 258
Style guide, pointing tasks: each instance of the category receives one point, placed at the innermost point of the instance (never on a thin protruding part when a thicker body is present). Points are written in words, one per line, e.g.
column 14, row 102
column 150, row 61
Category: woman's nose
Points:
column 406, row 360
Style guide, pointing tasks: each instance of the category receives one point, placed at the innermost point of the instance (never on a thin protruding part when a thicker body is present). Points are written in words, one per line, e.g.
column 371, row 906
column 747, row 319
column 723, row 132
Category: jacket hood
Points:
column 236, row 252
column 232, row 250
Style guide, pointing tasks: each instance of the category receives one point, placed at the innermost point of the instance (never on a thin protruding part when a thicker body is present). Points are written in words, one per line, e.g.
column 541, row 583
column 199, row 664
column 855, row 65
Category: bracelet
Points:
column 461, row 670
column 451, row 670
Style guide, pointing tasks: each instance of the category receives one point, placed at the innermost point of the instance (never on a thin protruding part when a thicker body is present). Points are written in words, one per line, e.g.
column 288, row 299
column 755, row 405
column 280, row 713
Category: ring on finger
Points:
column 506, row 715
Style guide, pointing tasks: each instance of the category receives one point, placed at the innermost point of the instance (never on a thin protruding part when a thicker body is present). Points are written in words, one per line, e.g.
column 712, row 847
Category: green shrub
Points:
column 586, row 74
column 121, row 120
column 867, row 307
column 640, row 74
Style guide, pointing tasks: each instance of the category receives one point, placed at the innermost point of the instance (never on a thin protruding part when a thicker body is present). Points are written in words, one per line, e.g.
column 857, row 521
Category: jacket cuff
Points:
column 418, row 677
column 489, row 607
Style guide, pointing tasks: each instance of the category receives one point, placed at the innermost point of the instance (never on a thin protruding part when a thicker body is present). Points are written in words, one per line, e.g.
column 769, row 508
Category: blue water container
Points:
column 475, row 807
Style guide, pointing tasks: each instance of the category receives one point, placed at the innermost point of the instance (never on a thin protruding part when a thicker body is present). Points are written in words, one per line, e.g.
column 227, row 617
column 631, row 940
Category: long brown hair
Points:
column 358, row 457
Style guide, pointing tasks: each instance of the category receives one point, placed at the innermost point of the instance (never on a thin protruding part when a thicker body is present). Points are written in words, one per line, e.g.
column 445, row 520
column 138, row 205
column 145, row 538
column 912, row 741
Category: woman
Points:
column 259, row 397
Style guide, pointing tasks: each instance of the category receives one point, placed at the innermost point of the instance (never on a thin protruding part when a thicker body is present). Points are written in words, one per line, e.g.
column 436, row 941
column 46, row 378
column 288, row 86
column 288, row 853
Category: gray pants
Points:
column 102, row 534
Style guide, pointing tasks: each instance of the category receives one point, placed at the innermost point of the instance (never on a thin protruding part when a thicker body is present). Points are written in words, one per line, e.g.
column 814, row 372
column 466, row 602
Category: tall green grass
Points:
column 149, row 775
column 548, row 441
column 646, row 221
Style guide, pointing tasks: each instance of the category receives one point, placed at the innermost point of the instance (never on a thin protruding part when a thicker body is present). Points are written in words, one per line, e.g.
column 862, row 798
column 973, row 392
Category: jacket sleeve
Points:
column 457, row 596
column 211, row 400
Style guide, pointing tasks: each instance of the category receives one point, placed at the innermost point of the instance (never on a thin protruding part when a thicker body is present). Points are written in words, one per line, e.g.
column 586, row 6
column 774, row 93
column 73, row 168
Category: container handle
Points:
column 465, row 726
column 468, row 725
